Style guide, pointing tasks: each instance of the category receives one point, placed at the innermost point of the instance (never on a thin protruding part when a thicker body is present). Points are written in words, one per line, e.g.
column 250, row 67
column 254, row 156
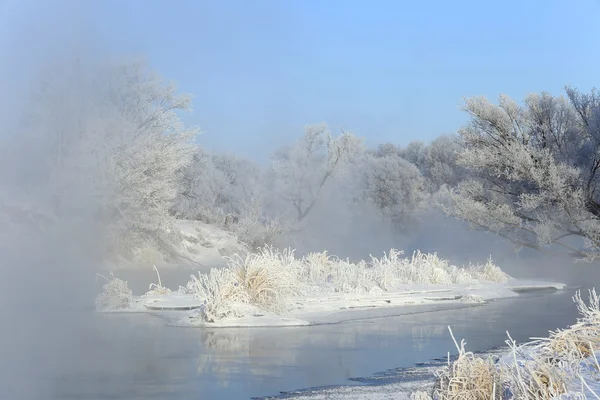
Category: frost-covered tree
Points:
column 415, row 153
column 395, row 187
column 203, row 191
column 534, row 167
column 219, row 187
column 441, row 163
column 109, row 147
column 302, row 171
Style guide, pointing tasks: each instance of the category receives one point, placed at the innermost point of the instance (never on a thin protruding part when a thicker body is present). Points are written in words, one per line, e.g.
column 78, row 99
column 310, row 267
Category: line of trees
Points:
column 106, row 145
column 526, row 172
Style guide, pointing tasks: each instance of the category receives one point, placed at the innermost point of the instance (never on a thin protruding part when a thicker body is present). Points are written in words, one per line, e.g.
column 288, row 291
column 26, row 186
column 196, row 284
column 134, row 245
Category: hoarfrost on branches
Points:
column 534, row 172
column 114, row 154
column 302, row 171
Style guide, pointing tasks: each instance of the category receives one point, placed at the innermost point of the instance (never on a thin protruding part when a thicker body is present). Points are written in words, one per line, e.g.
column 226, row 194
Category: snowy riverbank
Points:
column 273, row 288
column 185, row 309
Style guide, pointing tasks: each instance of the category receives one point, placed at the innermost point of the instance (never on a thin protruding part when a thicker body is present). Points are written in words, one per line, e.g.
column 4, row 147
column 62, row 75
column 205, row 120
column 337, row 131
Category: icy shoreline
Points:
column 275, row 288
column 181, row 309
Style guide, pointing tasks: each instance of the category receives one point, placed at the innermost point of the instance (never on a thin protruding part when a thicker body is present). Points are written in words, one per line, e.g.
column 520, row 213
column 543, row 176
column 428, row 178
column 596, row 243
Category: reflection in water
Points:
column 138, row 357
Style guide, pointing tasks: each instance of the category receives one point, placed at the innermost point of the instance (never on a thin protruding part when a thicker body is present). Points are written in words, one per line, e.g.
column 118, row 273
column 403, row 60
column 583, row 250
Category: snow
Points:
column 394, row 391
column 206, row 244
column 275, row 288
column 336, row 308
column 203, row 246
column 173, row 302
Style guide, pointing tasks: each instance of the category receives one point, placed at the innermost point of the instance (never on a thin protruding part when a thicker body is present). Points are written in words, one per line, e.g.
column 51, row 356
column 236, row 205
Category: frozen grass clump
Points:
column 428, row 269
column 420, row 395
column 573, row 348
column 390, row 272
column 157, row 289
column 471, row 299
column 488, row 273
column 557, row 367
column 268, row 278
column 331, row 274
column 529, row 375
column 220, row 291
column 468, row 378
column 115, row 294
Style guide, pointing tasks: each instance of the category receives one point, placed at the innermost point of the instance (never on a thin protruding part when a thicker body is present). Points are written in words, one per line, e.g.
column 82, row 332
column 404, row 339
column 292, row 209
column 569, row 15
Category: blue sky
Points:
column 389, row 71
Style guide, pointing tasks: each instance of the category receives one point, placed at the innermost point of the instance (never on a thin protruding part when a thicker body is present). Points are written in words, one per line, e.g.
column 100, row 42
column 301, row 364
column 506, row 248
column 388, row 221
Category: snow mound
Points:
column 207, row 244
column 202, row 245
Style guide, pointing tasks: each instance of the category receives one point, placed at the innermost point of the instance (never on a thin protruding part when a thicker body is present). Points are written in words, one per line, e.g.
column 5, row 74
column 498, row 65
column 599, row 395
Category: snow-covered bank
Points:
column 273, row 288
column 563, row 365
column 314, row 310
column 202, row 246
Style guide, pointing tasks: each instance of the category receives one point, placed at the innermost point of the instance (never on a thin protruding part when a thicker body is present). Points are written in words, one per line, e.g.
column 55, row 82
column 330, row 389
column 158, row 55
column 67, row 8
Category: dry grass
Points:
column 220, row 291
column 529, row 375
column 420, row 395
column 157, row 289
column 488, row 272
column 468, row 378
column 546, row 368
column 269, row 278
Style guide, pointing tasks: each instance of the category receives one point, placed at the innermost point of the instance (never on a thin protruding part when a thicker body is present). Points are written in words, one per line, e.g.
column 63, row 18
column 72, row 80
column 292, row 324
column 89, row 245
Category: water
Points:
column 138, row 357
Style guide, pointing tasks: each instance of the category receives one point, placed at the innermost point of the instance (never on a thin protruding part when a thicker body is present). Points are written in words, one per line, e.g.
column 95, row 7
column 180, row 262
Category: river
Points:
column 136, row 356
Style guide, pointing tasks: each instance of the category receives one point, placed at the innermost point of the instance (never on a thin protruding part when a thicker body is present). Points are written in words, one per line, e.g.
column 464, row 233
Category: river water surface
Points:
column 136, row 356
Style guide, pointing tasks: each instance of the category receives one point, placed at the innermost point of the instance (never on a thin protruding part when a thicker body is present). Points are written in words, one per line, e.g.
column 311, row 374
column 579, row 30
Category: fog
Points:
column 56, row 232
column 48, row 261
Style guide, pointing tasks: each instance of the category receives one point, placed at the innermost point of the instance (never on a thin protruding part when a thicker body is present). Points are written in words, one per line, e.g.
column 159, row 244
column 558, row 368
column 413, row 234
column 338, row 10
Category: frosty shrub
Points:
column 488, row 272
column 220, row 291
column 268, row 277
column 115, row 294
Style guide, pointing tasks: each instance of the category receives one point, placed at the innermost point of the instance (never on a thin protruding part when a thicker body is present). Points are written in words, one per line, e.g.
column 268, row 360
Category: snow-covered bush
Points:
column 268, row 277
column 488, row 272
column 218, row 187
column 220, row 291
column 255, row 229
column 115, row 294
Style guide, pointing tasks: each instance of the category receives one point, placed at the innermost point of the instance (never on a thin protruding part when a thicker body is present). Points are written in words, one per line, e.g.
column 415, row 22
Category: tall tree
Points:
column 106, row 145
column 534, row 167
column 395, row 187
column 303, row 170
